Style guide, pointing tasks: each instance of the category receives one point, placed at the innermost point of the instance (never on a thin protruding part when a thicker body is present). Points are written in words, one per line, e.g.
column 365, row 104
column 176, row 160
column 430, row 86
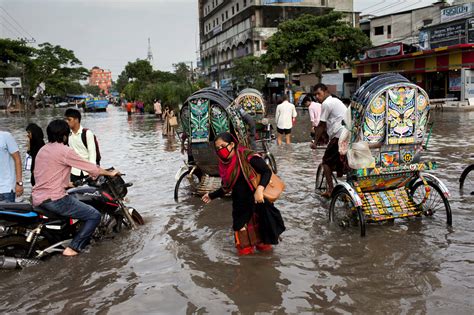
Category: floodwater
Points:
column 183, row 259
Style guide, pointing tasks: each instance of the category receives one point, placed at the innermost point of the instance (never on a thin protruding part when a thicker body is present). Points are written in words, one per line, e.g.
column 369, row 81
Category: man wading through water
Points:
column 75, row 141
column 332, row 114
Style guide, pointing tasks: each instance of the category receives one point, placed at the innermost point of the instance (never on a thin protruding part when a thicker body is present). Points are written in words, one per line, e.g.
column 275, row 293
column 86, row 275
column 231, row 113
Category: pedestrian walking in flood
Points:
column 129, row 108
column 257, row 223
column 314, row 109
column 35, row 143
column 285, row 117
column 157, row 106
column 83, row 141
column 168, row 125
column 332, row 114
column 11, row 182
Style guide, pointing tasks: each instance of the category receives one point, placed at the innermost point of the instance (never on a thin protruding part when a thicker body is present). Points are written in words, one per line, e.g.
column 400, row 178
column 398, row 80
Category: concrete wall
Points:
column 405, row 26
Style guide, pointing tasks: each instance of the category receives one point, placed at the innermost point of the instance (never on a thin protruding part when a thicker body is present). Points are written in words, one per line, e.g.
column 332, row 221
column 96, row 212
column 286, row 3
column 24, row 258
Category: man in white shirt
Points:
column 332, row 114
column 11, row 183
column 285, row 117
column 75, row 141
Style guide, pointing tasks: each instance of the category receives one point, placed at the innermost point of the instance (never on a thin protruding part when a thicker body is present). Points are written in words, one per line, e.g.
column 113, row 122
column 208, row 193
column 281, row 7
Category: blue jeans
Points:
column 8, row 197
column 72, row 208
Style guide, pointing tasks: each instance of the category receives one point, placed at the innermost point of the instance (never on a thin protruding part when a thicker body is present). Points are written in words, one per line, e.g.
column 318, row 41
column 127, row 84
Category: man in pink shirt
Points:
column 314, row 109
column 52, row 170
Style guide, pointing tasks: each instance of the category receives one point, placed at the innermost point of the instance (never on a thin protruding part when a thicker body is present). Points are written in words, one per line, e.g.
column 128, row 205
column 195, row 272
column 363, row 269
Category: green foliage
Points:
column 248, row 72
column 182, row 71
column 14, row 55
column 315, row 40
column 92, row 89
column 57, row 67
column 138, row 81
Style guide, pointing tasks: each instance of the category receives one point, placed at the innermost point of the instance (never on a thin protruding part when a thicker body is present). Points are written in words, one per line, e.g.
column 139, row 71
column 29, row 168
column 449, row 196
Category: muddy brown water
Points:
column 183, row 259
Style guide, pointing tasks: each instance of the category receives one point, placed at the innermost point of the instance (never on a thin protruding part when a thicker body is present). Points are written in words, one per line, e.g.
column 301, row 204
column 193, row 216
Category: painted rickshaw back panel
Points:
column 390, row 114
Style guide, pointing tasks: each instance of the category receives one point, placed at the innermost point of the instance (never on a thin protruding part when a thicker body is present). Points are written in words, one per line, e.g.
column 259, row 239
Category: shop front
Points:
column 444, row 72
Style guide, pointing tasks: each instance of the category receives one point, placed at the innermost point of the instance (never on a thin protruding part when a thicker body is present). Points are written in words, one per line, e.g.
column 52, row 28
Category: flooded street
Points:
column 183, row 260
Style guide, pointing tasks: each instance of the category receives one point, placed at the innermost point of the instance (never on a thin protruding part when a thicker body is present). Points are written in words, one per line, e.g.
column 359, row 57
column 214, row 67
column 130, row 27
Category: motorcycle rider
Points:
column 52, row 169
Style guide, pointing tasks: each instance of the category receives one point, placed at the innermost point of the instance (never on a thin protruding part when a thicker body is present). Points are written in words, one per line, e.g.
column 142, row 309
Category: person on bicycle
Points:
column 332, row 114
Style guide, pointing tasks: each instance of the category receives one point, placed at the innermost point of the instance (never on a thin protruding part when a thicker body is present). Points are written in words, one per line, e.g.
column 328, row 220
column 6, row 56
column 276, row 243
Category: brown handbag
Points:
column 274, row 188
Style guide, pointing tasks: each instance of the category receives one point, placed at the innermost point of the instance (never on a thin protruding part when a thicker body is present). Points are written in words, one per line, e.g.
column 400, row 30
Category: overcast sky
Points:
column 110, row 33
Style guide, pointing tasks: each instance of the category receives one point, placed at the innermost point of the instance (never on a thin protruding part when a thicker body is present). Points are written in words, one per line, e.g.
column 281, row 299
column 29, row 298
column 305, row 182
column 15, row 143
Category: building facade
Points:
column 101, row 78
column 232, row 29
column 443, row 63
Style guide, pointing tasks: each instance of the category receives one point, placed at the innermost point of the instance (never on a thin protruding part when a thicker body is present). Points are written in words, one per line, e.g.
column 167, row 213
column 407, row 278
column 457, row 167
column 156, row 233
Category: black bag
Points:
column 97, row 151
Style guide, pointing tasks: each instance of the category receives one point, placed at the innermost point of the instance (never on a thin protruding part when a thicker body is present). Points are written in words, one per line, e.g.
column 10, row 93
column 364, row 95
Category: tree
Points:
column 13, row 55
column 92, row 89
column 248, row 72
column 315, row 41
column 182, row 71
column 58, row 68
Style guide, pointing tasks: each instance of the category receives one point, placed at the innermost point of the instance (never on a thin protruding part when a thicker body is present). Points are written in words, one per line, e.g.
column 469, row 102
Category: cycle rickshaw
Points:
column 204, row 115
column 391, row 115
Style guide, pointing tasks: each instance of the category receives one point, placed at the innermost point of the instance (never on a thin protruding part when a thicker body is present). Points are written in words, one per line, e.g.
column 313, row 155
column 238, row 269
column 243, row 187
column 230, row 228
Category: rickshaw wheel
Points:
column 436, row 204
column 186, row 185
column 270, row 160
column 466, row 181
column 345, row 213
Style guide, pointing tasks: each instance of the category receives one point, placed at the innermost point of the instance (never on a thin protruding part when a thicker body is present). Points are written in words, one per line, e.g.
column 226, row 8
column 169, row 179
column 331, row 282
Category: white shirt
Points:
column 333, row 112
column 284, row 115
column 87, row 154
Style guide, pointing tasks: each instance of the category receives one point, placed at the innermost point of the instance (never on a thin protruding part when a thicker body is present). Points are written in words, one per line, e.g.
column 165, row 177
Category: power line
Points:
column 12, row 26
column 9, row 29
column 375, row 5
column 16, row 22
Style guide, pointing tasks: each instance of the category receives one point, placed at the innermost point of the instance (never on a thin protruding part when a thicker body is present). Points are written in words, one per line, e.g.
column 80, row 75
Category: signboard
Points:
column 455, row 82
column 456, row 12
column 448, row 35
column 10, row 83
column 470, row 31
column 381, row 52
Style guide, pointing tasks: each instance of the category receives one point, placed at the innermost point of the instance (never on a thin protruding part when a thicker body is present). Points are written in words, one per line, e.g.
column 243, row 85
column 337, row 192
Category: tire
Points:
column 436, row 205
column 270, row 160
column 320, row 182
column 344, row 213
column 14, row 246
column 466, row 181
column 137, row 217
column 189, row 187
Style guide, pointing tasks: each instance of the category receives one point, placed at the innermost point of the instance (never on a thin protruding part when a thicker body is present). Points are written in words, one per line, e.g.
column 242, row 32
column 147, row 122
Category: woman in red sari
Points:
column 256, row 221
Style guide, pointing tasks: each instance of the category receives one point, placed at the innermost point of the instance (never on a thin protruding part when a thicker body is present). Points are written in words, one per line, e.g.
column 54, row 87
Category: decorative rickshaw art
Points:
column 391, row 115
column 204, row 115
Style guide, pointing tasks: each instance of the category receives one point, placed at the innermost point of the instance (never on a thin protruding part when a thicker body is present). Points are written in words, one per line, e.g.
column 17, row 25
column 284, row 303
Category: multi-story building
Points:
column 438, row 54
column 232, row 29
column 101, row 78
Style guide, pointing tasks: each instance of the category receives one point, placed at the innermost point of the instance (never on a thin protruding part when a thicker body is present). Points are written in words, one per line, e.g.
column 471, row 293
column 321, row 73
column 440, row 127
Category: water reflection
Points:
column 183, row 260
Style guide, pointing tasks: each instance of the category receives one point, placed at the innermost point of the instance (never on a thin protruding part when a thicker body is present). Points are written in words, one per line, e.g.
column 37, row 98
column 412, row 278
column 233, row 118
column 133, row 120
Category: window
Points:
column 213, row 4
column 233, row 12
column 378, row 30
column 226, row 14
column 237, row 7
column 222, row 17
column 389, row 31
column 245, row 3
column 217, row 21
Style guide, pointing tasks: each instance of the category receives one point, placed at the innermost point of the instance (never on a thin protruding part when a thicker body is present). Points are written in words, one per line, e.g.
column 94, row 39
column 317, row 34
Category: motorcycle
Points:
column 28, row 234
